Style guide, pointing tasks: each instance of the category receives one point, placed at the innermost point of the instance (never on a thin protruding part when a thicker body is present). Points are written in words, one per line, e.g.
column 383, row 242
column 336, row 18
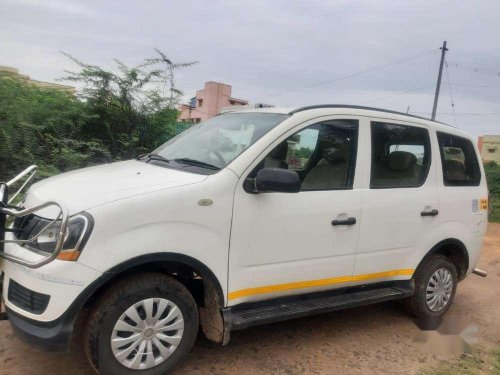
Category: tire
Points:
column 146, row 294
column 418, row 304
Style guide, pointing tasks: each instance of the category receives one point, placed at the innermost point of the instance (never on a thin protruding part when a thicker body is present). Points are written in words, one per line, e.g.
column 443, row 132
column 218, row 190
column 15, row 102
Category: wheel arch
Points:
column 198, row 278
column 453, row 249
column 173, row 264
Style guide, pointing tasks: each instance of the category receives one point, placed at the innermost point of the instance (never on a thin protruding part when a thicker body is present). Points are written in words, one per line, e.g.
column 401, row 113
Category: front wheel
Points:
column 145, row 324
column 435, row 286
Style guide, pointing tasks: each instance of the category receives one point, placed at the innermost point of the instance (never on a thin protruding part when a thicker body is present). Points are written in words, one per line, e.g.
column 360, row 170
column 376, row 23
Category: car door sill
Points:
column 253, row 314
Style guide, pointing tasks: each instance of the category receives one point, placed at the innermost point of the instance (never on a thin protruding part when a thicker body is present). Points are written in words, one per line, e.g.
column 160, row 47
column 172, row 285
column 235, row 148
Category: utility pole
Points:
column 438, row 86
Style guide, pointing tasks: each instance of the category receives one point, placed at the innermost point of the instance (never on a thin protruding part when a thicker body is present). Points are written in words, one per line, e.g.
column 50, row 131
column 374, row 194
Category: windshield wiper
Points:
column 156, row 157
column 197, row 163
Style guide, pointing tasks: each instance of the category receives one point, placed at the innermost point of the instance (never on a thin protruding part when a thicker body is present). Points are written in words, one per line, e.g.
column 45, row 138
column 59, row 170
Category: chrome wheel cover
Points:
column 439, row 290
column 147, row 333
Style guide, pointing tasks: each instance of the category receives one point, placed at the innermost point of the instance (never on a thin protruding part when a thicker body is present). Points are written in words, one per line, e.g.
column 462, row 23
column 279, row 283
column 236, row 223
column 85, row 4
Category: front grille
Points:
column 26, row 299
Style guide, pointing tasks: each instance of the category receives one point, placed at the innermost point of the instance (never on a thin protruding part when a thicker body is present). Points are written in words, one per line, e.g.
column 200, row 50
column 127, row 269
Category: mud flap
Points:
column 212, row 319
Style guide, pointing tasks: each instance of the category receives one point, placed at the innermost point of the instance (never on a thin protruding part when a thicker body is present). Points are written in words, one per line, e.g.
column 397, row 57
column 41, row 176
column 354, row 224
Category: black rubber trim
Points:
column 347, row 106
column 49, row 336
column 56, row 334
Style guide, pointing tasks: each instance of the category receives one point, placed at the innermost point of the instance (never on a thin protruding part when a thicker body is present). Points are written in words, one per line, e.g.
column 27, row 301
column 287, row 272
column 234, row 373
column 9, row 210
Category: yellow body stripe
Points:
column 316, row 283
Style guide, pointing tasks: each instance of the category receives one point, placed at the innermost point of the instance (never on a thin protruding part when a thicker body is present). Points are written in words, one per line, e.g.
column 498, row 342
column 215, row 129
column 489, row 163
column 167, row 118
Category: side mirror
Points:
column 277, row 180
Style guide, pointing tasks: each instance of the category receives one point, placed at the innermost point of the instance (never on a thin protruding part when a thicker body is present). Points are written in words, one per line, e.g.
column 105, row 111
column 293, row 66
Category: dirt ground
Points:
column 380, row 339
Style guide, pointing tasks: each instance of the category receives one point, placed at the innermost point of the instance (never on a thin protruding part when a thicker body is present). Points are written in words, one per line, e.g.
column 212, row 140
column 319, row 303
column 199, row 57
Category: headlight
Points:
column 77, row 234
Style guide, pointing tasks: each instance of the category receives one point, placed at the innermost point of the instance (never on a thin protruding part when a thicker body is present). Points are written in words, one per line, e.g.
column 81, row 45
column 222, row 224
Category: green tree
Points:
column 117, row 115
column 41, row 126
column 132, row 108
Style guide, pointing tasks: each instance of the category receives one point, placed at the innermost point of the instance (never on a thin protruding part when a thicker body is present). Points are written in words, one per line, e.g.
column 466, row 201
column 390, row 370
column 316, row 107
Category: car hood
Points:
column 90, row 187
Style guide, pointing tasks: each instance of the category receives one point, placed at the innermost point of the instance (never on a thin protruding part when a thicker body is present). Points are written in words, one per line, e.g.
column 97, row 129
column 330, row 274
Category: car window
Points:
column 400, row 155
column 324, row 155
column 219, row 140
column 458, row 160
column 301, row 147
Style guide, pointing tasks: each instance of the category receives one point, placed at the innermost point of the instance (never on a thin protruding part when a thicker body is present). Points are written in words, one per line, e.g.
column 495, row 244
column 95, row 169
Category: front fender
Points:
column 170, row 221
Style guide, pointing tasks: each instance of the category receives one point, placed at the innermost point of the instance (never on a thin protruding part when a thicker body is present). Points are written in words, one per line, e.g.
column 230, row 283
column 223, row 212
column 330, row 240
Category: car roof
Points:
column 356, row 110
column 293, row 110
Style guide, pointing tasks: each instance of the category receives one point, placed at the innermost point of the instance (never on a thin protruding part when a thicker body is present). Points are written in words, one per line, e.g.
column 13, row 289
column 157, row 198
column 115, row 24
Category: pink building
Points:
column 208, row 102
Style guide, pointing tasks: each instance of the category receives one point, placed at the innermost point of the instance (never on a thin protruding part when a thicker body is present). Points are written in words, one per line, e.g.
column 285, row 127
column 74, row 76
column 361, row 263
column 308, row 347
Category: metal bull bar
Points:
column 10, row 211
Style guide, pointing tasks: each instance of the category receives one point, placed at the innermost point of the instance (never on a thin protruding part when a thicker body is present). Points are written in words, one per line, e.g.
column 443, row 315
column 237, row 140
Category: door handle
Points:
column 432, row 212
column 348, row 221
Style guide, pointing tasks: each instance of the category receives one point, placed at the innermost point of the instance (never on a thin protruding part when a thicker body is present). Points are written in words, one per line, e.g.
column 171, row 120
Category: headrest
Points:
column 280, row 152
column 454, row 166
column 401, row 160
column 337, row 154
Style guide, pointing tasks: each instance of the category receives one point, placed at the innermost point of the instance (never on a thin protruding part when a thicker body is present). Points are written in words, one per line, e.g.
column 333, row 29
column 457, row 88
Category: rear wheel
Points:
column 145, row 324
column 435, row 286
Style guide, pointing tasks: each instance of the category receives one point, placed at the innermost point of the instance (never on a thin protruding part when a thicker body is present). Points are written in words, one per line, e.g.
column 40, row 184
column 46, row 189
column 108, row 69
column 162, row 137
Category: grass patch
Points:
column 478, row 363
column 496, row 363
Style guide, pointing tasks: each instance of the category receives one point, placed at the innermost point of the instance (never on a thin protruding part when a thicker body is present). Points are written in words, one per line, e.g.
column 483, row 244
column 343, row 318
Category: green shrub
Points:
column 492, row 171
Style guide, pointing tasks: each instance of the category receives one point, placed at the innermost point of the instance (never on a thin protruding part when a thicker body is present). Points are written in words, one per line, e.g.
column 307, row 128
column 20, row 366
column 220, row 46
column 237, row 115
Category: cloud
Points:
column 266, row 48
column 58, row 6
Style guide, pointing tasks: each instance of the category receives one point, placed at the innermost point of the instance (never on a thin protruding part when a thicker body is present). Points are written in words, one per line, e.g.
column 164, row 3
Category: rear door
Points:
column 401, row 206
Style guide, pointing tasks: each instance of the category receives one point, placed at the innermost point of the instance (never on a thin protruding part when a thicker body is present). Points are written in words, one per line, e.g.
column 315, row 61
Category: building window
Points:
column 200, row 102
column 491, row 150
column 232, row 102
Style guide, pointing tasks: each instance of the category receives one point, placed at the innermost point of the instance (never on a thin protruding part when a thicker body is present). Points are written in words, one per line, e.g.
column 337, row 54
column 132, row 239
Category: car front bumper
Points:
column 50, row 336
column 68, row 286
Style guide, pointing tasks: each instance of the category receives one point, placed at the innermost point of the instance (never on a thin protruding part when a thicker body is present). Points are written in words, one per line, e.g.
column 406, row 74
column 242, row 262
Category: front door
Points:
column 295, row 243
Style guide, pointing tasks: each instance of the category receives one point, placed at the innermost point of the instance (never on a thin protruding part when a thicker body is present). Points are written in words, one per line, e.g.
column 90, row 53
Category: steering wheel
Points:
column 219, row 157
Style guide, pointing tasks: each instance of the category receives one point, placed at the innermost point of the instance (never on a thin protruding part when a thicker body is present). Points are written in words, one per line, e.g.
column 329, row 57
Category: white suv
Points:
column 248, row 218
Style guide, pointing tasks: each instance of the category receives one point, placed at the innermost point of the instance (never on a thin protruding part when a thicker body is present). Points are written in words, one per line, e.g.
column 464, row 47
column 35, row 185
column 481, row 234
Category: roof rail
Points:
column 360, row 107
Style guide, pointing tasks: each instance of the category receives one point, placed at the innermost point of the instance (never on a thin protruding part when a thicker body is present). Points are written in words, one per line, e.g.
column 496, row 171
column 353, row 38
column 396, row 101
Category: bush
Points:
column 492, row 171
column 118, row 115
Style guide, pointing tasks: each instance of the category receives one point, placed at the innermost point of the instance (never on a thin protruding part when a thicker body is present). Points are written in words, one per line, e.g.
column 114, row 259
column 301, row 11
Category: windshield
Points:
column 217, row 142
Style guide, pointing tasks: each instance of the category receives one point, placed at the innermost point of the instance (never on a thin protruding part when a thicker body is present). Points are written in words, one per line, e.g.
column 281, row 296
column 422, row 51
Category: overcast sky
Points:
column 279, row 52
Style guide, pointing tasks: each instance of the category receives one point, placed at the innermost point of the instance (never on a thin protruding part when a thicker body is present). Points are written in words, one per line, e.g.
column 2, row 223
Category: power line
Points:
column 471, row 85
column 470, row 114
column 379, row 67
column 398, row 94
column 451, row 93
column 474, row 69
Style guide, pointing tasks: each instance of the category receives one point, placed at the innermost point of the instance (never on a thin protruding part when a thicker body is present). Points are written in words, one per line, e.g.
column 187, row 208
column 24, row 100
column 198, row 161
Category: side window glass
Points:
column 400, row 155
column 324, row 155
column 301, row 147
column 459, row 161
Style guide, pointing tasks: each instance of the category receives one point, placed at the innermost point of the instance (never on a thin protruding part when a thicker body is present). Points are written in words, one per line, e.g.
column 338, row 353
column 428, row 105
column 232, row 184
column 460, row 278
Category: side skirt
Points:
column 280, row 309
